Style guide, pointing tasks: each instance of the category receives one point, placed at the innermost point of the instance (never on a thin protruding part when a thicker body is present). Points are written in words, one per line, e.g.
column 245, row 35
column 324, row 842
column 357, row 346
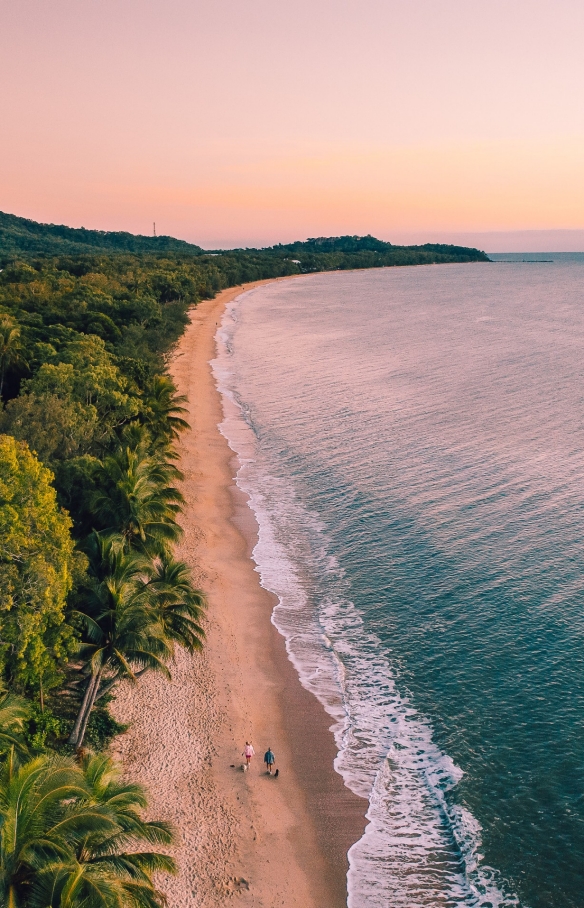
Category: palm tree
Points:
column 40, row 819
column 123, row 634
column 123, row 800
column 179, row 607
column 74, row 885
column 65, row 831
column 164, row 409
column 10, row 349
column 123, row 803
column 137, row 498
column 14, row 711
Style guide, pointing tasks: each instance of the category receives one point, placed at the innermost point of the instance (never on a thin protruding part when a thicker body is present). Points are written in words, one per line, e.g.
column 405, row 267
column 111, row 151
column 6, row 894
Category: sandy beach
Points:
column 269, row 841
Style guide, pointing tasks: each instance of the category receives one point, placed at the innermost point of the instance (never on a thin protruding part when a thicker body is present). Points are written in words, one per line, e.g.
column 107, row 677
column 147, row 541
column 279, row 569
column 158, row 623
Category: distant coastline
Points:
column 23, row 238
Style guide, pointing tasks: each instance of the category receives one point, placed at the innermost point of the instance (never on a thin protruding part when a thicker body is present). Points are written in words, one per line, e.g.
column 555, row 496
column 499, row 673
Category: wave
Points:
column 420, row 847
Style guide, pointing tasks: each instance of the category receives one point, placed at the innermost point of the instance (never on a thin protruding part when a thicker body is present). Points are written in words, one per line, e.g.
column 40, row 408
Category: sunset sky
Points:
column 248, row 123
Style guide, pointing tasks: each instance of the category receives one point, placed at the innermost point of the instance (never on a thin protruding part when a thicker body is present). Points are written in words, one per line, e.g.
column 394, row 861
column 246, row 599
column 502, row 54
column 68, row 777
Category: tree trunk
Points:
column 91, row 685
column 105, row 690
column 112, row 684
column 89, row 707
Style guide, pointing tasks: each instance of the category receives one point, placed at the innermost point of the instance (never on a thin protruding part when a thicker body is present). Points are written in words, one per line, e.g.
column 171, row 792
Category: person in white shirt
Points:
column 248, row 752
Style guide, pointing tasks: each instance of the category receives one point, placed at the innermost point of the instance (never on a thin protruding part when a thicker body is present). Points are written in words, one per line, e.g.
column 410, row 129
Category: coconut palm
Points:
column 176, row 610
column 137, row 498
column 164, row 409
column 178, row 606
column 70, row 837
column 123, row 635
column 111, row 867
column 41, row 821
column 123, row 802
column 74, row 885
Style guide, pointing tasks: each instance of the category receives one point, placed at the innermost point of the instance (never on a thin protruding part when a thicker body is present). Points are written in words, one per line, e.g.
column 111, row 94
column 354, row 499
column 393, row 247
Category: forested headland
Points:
column 22, row 238
column 90, row 590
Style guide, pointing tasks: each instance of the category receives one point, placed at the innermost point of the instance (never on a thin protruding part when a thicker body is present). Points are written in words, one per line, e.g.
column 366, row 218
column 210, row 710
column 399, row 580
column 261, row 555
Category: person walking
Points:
column 248, row 753
column 269, row 760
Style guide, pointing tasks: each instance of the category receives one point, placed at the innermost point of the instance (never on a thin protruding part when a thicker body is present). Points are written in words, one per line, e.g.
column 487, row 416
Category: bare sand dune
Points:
column 270, row 842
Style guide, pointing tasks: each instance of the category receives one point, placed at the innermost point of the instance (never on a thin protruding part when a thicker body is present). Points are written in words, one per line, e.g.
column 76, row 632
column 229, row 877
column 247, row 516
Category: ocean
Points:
column 412, row 443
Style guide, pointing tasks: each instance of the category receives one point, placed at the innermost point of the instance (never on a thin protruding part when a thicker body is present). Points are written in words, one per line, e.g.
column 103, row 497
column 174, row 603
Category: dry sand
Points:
column 269, row 842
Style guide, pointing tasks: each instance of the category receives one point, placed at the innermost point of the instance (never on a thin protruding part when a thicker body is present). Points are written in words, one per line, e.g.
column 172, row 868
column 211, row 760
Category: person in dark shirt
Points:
column 269, row 760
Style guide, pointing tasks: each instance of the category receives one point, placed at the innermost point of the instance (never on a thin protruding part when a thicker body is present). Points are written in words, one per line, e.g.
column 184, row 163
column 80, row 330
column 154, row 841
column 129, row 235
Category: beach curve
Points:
column 271, row 841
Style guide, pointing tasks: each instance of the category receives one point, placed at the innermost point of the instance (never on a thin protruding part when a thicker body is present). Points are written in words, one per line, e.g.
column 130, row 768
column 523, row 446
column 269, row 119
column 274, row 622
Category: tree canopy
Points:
column 36, row 563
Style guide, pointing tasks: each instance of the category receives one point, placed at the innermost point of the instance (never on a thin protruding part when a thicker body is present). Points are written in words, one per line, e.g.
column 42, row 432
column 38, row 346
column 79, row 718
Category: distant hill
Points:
column 358, row 244
column 19, row 236
column 22, row 238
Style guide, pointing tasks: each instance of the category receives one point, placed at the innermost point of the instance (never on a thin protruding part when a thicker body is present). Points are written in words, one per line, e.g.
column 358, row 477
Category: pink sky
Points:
column 244, row 123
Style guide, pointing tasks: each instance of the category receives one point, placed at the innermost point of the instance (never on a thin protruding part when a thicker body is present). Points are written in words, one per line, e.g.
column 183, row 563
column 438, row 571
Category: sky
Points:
column 232, row 123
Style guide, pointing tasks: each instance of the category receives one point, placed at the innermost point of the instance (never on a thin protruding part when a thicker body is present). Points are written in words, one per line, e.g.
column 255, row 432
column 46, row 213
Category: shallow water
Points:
column 412, row 441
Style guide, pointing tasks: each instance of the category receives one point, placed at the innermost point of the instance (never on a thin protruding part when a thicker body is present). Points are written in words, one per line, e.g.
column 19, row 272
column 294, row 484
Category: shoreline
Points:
column 272, row 841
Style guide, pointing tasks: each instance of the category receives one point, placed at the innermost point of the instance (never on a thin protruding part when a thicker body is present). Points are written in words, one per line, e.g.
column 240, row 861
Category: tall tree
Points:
column 164, row 410
column 122, row 631
column 178, row 605
column 137, row 498
column 124, row 803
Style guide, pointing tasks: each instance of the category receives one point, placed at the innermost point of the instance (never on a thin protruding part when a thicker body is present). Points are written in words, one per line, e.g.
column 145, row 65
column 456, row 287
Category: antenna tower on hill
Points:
column 154, row 233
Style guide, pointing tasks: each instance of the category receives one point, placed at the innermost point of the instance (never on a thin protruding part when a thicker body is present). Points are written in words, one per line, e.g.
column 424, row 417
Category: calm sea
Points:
column 412, row 440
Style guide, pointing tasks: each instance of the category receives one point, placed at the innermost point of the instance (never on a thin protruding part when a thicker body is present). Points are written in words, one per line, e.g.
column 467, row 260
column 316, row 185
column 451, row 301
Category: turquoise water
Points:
column 413, row 444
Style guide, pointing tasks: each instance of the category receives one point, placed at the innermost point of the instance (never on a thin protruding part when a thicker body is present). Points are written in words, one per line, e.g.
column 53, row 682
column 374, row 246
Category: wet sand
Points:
column 273, row 842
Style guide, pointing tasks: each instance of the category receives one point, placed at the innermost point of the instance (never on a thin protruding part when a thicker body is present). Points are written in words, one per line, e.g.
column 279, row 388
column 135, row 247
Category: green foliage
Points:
column 72, row 406
column 10, row 347
column 163, row 410
column 122, row 634
column 124, row 301
column 74, row 837
column 102, row 728
column 135, row 609
column 48, row 417
column 372, row 252
column 347, row 252
column 18, row 235
column 178, row 607
column 137, row 497
column 43, row 728
column 36, row 559
column 14, row 714
column 33, row 807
